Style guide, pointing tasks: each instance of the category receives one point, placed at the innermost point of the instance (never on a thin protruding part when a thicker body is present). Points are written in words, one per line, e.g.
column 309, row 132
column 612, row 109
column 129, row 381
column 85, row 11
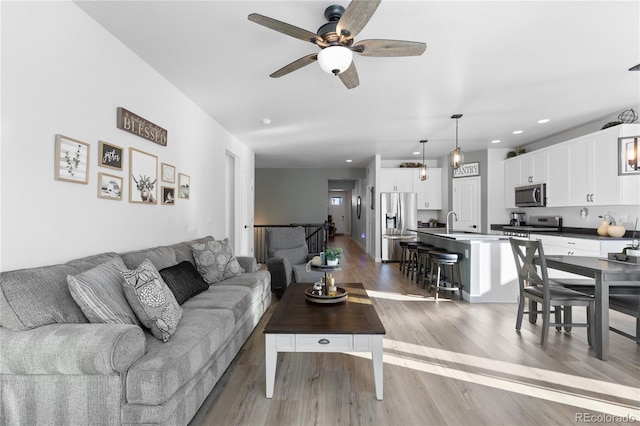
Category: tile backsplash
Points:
column 623, row 215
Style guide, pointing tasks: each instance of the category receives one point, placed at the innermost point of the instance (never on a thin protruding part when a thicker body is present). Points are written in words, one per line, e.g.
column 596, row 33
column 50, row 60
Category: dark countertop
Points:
column 568, row 232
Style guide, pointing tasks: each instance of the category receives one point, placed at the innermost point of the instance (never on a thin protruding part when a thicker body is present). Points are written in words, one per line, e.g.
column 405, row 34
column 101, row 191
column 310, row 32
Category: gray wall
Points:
column 286, row 196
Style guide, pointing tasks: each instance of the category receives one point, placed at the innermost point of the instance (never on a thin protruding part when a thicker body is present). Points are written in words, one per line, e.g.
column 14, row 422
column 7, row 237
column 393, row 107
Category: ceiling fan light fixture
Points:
column 335, row 59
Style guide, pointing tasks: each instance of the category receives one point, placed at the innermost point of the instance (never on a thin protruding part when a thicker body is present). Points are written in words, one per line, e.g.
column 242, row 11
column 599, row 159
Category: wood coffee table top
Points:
column 295, row 315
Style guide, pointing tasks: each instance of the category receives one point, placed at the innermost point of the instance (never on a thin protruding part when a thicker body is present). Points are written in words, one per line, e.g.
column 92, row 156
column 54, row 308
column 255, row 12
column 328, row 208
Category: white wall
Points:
column 64, row 74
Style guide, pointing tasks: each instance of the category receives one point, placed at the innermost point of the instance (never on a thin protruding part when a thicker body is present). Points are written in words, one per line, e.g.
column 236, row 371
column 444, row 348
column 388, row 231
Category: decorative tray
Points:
column 624, row 258
column 341, row 296
column 325, row 267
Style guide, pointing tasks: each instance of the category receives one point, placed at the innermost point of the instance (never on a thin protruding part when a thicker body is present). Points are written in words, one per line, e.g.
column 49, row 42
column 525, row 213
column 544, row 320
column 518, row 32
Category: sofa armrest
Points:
column 248, row 263
column 281, row 274
column 71, row 349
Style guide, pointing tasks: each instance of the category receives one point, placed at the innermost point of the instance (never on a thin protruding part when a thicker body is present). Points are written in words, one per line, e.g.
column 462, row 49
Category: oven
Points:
column 535, row 224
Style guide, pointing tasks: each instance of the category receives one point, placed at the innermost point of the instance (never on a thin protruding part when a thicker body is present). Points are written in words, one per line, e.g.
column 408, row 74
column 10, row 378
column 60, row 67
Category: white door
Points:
column 338, row 210
column 248, row 216
column 466, row 204
column 230, row 200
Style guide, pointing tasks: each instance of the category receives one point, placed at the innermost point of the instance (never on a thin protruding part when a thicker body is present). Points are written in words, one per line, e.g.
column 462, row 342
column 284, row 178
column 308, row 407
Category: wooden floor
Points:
column 445, row 363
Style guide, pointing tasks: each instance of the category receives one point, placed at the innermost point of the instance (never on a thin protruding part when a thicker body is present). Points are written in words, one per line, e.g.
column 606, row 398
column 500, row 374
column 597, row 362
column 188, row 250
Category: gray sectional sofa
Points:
column 57, row 368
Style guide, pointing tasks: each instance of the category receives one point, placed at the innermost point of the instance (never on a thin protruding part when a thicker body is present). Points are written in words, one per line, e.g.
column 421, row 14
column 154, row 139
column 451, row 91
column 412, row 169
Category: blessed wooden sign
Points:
column 137, row 125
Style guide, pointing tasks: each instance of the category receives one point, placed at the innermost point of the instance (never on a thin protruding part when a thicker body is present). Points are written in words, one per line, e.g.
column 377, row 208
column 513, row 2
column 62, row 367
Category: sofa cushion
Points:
column 258, row 283
column 183, row 252
column 99, row 294
column 201, row 336
column 151, row 300
column 220, row 296
column 215, row 260
column 40, row 296
column 161, row 257
column 90, row 262
column 184, row 281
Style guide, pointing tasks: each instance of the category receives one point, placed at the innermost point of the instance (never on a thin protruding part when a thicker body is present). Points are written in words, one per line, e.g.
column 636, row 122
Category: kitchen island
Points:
column 486, row 263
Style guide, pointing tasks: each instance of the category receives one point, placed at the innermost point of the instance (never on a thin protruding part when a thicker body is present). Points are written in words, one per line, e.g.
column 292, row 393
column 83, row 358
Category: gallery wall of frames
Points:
column 149, row 180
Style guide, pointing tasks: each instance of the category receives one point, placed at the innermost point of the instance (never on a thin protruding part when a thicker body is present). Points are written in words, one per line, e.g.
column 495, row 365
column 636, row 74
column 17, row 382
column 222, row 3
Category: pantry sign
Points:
column 467, row 169
column 137, row 125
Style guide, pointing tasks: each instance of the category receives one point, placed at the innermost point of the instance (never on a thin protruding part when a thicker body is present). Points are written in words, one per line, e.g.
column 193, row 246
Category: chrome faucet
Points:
column 449, row 226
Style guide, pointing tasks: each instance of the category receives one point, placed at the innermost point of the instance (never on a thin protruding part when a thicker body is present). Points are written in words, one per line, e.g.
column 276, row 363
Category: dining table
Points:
column 607, row 273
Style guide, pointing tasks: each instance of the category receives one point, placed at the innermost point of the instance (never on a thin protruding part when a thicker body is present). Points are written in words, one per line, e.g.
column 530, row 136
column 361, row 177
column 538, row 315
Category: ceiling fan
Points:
column 335, row 39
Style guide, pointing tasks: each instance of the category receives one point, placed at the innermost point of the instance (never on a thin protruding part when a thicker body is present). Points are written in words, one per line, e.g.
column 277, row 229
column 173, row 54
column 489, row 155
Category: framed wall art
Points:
column 168, row 195
column 629, row 155
column 184, row 185
column 168, row 173
column 143, row 177
column 72, row 160
column 109, row 186
column 110, row 155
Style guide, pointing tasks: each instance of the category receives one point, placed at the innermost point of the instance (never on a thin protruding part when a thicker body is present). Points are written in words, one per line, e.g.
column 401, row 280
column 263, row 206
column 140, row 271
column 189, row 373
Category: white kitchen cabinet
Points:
column 511, row 180
column 557, row 176
column 593, row 169
column 525, row 169
column 534, row 167
column 569, row 246
column 430, row 190
column 578, row 172
column 396, row 180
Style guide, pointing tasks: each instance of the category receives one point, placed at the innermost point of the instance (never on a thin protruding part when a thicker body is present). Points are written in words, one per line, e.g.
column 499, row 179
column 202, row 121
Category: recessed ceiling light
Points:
column 517, row 132
column 349, row 161
column 544, row 120
column 416, row 153
column 266, row 121
column 496, row 141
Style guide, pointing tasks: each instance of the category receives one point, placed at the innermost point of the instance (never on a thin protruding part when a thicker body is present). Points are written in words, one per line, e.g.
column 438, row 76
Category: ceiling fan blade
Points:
column 295, row 65
column 350, row 76
column 355, row 17
column 284, row 28
column 389, row 48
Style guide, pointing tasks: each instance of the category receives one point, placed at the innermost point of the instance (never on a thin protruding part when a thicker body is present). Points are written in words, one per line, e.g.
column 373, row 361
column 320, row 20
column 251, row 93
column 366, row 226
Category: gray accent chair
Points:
column 287, row 257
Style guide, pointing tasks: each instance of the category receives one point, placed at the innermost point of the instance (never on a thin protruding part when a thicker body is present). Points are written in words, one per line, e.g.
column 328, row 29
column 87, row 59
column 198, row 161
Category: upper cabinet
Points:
column 578, row 172
column 396, row 180
column 593, row 169
column 430, row 190
column 525, row 170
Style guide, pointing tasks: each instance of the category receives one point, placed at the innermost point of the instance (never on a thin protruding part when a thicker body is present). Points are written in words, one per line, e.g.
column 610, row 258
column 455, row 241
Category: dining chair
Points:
column 534, row 285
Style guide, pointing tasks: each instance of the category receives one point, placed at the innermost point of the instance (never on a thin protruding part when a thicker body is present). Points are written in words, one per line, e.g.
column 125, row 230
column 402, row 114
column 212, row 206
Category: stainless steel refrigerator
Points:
column 399, row 212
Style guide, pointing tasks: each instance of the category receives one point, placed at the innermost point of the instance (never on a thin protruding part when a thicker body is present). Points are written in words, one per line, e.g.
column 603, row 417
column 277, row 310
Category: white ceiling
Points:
column 503, row 64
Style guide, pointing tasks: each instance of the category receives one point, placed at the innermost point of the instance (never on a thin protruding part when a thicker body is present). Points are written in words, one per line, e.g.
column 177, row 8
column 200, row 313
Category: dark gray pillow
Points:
column 184, row 281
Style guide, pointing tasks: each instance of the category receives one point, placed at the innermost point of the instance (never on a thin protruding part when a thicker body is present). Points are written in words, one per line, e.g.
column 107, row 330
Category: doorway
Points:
column 466, row 204
column 340, row 211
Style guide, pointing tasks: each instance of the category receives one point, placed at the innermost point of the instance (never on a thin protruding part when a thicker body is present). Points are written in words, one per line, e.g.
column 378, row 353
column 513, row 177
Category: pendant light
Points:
column 424, row 172
column 457, row 156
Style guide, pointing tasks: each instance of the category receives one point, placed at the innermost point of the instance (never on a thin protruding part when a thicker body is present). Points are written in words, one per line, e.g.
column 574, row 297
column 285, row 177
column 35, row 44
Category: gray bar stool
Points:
column 439, row 262
column 403, row 255
column 412, row 263
column 423, row 262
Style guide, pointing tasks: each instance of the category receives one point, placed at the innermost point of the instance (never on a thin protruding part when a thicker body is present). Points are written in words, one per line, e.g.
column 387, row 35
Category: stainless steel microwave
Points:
column 531, row 195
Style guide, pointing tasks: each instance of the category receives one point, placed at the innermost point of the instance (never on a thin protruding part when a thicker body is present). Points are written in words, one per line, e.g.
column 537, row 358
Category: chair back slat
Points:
column 529, row 274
